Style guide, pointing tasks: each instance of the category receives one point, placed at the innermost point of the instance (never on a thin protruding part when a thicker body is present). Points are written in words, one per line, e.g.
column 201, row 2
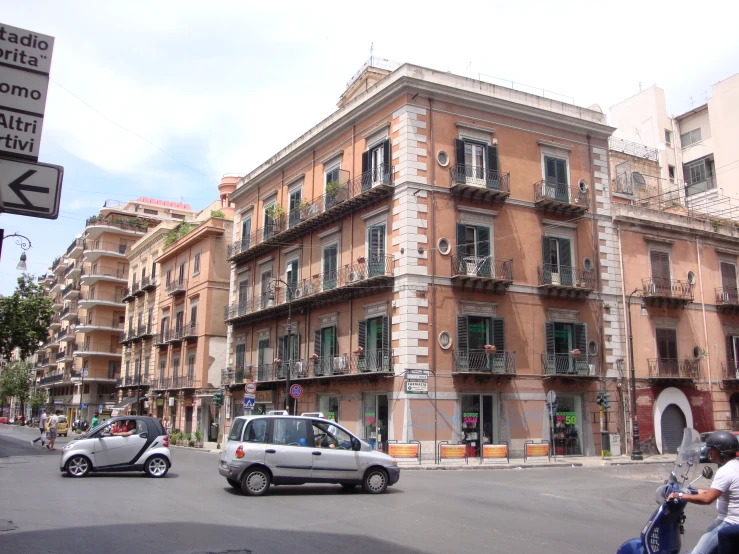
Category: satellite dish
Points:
column 638, row 179
column 595, row 108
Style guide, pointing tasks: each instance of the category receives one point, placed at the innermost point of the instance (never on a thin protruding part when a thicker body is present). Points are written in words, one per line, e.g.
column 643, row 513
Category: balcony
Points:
column 136, row 289
column 145, row 331
column 67, row 335
column 92, row 273
column 696, row 186
column 96, row 226
column 363, row 277
column 73, row 271
column 97, row 323
column 163, row 383
column 91, row 348
column 56, row 323
column 185, row 382
column 730, row 372
column 669, row 293
column 343, row 365
column 100, row 298
column 190, row 331
column 235, row 377
column 56, row 303
column 175, row 334
column 148, row 283
column 57, row 285
column 727, row 300
column 45, row 361
column 94, row 249
column 479, row 361
column 51, row 379
column 65, row 356
column 565, row 280
column 59, row 265
column 176, row 286
column 479, row 184
column 569, row 366
column 340, row 199
column 561, row 198
column 71, row 292
column 162, row 338
column 482, row 273
column 133, row 381
column 127, row 337
column 127, row 295
column 671, row 370
column 69, row 312
column 76, row 248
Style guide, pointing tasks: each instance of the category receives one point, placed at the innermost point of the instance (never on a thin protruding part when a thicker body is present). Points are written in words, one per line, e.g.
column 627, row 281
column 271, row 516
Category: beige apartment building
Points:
column 433, row 222
column 82, row 359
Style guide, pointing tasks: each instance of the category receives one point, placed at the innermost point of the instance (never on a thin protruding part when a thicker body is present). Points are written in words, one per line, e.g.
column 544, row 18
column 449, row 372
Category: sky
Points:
column 162, row 98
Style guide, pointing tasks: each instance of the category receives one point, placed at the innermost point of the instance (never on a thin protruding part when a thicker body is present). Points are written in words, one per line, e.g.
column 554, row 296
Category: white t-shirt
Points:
column 54, row 421
column 727, row 481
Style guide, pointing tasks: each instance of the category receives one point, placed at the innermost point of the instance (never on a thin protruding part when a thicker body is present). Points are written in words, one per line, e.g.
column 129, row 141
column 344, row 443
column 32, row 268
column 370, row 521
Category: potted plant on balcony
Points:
column 361, row 260
column 576, row 353
column 359, row 351
column 275, row 212
column 314, row 357
column 490, row 349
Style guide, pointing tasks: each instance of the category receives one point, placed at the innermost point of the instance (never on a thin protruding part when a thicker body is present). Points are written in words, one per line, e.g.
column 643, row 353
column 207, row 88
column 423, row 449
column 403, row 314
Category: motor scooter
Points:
column 662, row 533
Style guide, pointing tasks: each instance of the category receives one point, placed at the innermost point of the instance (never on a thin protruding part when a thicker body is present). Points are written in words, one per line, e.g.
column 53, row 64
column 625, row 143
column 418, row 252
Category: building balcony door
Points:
column 376, row 421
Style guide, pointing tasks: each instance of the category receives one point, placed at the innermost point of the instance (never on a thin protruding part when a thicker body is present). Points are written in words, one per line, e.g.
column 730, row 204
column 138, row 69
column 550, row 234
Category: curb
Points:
column 488, row 467
column 191, row 449
column 637, row 463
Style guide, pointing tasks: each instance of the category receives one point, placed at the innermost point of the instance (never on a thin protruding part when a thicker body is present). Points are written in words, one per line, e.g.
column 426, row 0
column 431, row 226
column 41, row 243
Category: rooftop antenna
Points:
column 372, row 51
column 639, row 86
column 470, row 68
column 691, row 102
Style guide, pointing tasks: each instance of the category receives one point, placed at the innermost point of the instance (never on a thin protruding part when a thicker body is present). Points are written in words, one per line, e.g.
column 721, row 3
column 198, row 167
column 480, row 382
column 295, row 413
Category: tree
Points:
column 38, row 399
column 15, row 381
column 25, row 317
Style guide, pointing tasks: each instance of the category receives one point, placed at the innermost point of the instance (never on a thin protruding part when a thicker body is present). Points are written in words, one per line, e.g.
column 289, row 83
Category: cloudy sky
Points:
column 161, row 98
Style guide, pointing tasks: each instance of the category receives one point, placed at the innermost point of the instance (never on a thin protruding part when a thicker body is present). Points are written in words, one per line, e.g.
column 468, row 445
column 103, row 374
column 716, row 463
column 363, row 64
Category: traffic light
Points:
column 599, row 398
column 218, row 398
column 606, row 401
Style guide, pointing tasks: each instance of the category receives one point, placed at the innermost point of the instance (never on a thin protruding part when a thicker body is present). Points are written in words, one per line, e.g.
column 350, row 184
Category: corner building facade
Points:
column 433, row 222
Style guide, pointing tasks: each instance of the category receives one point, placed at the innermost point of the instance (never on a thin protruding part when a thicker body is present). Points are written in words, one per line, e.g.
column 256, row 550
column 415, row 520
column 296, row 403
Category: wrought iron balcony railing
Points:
column 479, row 361
column 480, row 177
column 185, row 382
column 163, row 337
column 566, row 276
column 190, row 330
column 357, row 275
column 485, row 267
column 148, row 283
column 549, row 194
column 727, row 296
column 370, row 362
column 671, row 368
column 235, row 376
column 102, row 272
column 567, row 365
column 176, row 286
column 337, row 192
column 657, row 287
column 730, row 370
column 145, row 330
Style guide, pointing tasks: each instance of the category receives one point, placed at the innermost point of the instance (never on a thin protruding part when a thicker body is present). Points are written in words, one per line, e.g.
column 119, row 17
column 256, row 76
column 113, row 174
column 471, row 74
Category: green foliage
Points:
column 275, row 212
column 38, row 399
column 332, row 187
column 16, row 381
column 606, row 453
column 177, row 233
column 25, row 317
column 218, row 213
column 198, row 436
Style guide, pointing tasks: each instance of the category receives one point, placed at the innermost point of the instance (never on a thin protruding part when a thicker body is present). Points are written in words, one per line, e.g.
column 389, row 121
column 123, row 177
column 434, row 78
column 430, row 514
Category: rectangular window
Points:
column 698, row 176
column 376, row 165
column 150, row 212
column 667, row 361
column 147, row 361
column 176, row 367
column 373, row 336
column 193, row 314
column 256, row 430
column 243, row 294
column 292, row 432
column 557, row 260
column 555, row 171
column 668, row 138
column 269, row 221
column 162, row 368
column 325, row 347
column 240, row 356
column 196, row 264
column 246, row 234
column 332, row 187
column 474, row 161
column 330, row 266
column 671, row 172
column 266, row 278
column 660, row 262
column 264, row 360
column 728, row 283
column 153, row 271
column 128, row 367
column 181, row 273
column 179, row 320
column 191, row 365
column 686, row 139
column 168, row 278
column 376, row 247
column 296, row 202
column 291, row 277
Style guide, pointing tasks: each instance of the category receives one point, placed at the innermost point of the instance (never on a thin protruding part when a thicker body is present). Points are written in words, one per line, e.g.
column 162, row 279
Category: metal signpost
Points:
column 552, row 407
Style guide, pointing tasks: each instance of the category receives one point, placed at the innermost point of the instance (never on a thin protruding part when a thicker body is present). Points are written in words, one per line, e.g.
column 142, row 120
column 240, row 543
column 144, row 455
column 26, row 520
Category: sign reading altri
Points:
column 25, row 62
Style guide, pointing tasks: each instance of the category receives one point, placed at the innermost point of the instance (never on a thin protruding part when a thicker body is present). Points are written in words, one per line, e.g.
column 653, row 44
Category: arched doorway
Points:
column 734, row 411
column 672, row 424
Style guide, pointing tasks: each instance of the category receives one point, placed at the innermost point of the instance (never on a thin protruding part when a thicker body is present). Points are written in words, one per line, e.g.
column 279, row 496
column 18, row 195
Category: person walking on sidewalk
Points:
column 41, row 427
column 53, row 422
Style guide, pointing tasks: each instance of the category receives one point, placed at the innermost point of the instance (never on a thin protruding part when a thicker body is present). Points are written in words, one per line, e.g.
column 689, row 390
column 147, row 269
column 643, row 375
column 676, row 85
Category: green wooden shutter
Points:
column 317, row 342
column 546, row 260
column 566, row 270
column 549, row 341
column 730, row 350
column 362, row 343
column 492, row 180
column 461, row 241
column 459, row 160
column 581, row 343
column 330, row 273
column 386, row 343
column 483, row 251
column 497, row 361
column 366, row 174
column 386, row 163
column 463, row 363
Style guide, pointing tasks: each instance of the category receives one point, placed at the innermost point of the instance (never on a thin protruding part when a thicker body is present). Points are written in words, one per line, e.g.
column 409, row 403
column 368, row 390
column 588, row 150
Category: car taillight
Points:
column 240, row 452
column 166, row 440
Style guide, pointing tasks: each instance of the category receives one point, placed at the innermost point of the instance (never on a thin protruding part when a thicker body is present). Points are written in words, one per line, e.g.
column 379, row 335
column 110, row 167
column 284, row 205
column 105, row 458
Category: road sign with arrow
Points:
column 30, row 189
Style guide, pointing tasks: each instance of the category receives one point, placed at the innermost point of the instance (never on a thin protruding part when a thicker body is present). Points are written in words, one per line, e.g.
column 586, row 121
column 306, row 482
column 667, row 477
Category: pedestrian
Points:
column 94, row 421
column 728, row 539
column 168, row 425
column 53, row 422
column 41, row 427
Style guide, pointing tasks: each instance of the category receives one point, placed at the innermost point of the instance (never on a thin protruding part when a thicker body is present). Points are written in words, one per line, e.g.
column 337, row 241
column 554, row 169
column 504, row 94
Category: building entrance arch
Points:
column 667, row 399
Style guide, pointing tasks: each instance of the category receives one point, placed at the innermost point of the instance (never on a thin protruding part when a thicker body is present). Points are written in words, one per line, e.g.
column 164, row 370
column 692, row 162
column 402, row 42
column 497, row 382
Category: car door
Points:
column 288, row 454
column 333, row 458
column 118, row 451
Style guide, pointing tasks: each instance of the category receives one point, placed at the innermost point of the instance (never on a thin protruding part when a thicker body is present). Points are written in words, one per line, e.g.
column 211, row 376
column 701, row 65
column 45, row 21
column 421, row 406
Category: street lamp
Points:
column 273, row 290
column 22, row 241
column 636, row 453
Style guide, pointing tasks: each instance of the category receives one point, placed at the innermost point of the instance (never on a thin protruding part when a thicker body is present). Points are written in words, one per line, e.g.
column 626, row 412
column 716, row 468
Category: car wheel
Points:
column 349, row 486
column 234, row 483
column 375, row 481
column 255, row 482
column 78, row 466
column 157, row 467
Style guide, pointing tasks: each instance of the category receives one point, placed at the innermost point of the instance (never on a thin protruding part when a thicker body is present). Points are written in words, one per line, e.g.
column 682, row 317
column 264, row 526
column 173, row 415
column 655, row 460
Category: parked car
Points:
column 100, row 449
column 293, row 450
column 4, row 419
column 62, row 427
column 704, row 449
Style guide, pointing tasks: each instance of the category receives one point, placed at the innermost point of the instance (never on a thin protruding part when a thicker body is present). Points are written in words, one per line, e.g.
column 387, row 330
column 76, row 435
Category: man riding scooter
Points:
column 722, row 450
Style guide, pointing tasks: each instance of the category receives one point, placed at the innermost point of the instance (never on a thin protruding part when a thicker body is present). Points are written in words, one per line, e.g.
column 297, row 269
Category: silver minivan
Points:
column 293, row 450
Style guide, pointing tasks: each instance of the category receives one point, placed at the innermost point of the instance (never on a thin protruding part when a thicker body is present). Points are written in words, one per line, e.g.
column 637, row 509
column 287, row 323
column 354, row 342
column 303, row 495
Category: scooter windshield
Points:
column 688, row 457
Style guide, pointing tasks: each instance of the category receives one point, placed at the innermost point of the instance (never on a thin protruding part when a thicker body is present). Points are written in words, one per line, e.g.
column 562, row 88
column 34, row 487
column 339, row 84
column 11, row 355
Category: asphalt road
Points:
column 193, row 510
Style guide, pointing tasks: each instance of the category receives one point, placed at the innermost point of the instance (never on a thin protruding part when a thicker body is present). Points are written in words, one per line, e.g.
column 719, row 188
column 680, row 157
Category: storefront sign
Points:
column 369, row 417
column 403, row 452
column 536, row 452
column 188, row 402
column 331, row 416
column 470, row 419
column 566, row 418
column 416, row 387
column 452, row 452
column 263, row 397
column 495, row 453
column 160, row 401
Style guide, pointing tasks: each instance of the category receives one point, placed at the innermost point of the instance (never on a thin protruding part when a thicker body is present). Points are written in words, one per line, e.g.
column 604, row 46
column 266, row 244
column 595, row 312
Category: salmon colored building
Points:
column 433, row 223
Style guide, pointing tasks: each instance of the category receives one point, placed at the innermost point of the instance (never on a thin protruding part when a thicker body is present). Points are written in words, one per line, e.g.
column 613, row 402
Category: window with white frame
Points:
column 691, row 137
column 196, row 263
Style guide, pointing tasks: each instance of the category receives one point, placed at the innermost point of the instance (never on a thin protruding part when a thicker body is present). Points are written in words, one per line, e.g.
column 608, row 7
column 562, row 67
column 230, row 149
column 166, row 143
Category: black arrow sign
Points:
column 17, row 186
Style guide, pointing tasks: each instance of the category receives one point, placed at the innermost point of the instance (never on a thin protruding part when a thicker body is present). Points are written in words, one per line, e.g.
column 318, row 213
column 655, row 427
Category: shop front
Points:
column 478, row 422
column 567, row 433
column 375, row 420
column 328, row 405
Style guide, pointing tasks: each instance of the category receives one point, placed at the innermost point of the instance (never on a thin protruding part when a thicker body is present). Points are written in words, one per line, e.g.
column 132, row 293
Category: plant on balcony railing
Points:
column 566, row 276
column 218, row 213
column 560, row 192
column 569, row 364
column 177, row 233
column 481, row 177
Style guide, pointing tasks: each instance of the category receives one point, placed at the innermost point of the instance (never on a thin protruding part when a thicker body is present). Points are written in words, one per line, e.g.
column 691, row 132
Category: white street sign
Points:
column 415, row 376
column 20, row 134
column 22, row 90
column 25, row 49
column 31, row 189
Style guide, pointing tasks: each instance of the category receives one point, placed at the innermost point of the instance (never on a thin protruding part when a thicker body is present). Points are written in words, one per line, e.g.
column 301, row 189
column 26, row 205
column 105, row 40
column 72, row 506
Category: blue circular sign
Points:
column 296, row 391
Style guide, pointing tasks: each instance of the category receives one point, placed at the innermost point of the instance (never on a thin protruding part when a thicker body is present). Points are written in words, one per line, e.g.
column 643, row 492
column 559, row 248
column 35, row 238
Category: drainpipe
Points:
column 703, row 309
column 432, row 254
column 625, row 307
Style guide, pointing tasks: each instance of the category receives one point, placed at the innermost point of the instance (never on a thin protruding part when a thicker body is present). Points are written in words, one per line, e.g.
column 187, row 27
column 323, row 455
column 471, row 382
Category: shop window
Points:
column 567, row 427
column 329, row 407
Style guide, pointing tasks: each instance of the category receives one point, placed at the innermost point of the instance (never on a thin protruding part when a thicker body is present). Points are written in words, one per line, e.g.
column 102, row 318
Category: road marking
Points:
column 555, row 496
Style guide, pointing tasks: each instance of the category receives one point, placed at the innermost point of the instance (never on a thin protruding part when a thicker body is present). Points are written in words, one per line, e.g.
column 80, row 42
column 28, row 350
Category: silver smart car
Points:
column 293, row 450
column 141, row 444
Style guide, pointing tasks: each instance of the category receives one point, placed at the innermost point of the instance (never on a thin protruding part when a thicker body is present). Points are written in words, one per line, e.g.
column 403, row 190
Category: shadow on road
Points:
column 194, row 538
column 317, row 490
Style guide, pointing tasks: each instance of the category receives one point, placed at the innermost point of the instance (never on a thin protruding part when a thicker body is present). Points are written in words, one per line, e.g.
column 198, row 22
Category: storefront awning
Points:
column 126, row 402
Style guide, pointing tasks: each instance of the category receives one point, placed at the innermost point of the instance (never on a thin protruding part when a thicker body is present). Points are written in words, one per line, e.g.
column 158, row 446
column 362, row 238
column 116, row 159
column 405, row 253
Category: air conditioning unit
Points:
column 555, row 279
column 297, row 293
column 298, row 367
column 470, row 264
column 653, row 288
column 339, row 364
column 725, row 297
column 355, row 276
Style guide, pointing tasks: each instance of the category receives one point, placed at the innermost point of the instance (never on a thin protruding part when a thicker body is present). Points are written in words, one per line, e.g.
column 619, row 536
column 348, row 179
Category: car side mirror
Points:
column 356, row 444
column 707, row 472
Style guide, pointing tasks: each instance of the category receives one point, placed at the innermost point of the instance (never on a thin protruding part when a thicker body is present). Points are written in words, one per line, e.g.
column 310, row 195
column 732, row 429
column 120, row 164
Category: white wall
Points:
column 723, row 109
